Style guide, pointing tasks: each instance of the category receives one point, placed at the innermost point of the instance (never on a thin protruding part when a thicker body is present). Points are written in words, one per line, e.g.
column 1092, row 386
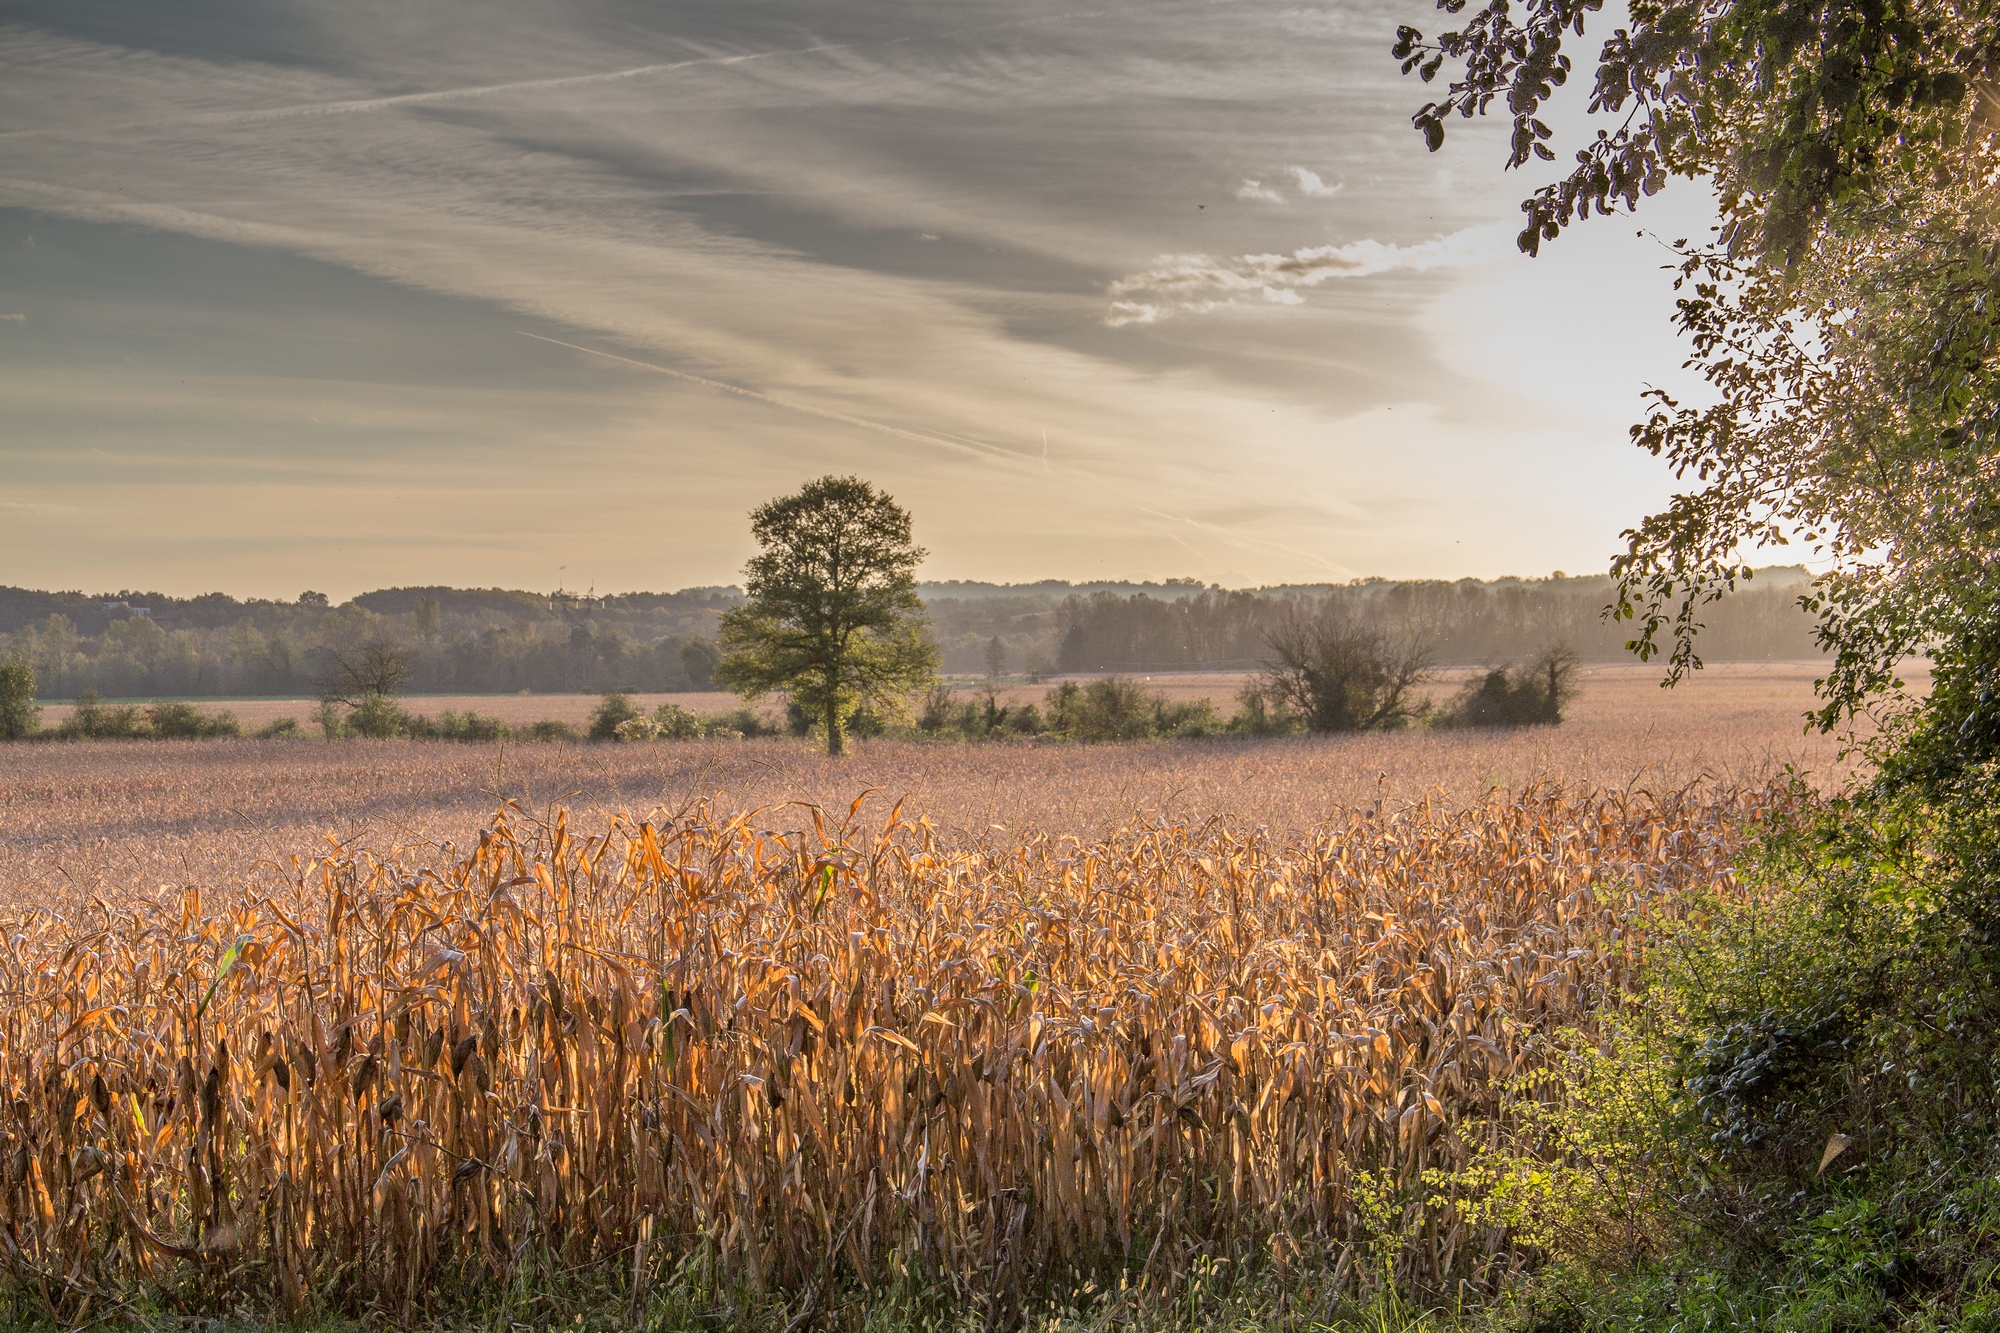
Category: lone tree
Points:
column 832, row 617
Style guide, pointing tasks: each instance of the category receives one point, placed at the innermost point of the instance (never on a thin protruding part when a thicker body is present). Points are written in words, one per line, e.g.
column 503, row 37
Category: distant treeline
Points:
column 496, row 641
column 457, row 641
column 1468, row 622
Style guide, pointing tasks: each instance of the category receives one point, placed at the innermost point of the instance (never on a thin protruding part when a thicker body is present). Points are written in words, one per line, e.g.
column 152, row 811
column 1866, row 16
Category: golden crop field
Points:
column 853, row 1053
column 310, row 1024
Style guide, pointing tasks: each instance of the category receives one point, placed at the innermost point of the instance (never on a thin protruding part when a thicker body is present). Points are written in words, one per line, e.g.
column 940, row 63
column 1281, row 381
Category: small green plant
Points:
column 282, row 728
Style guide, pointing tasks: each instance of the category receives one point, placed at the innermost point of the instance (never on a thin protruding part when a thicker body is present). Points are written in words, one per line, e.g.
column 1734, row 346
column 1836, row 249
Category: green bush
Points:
column 452, row 725
column 282, row 728
column 944, row 714
column 379, row 716
column 20, row 715
column 673, row 723
column 93, row 719
column 613, row 710
column 741, row 722
column 552, row 731
column 639, row 728
column 1111, row 708
column 1114, row 708
column 1797, row 1124
column 1255, row 715
column 186, row 721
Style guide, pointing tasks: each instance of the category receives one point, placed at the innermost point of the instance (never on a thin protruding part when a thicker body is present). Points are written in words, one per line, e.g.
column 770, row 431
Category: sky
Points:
column 536, row 293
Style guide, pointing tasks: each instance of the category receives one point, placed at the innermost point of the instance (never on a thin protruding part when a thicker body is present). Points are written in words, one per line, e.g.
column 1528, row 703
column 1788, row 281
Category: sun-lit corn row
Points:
column 832, row 1053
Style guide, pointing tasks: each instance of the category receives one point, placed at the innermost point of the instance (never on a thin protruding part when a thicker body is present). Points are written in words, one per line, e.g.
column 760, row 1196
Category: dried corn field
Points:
column 849, row 1053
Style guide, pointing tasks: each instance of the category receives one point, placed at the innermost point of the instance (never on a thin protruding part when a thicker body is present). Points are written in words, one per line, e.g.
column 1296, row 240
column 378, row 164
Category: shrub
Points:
column 674, row 723
column 1024, row 720
column 1336, row 674
column 1109, row 709
column 186, row 722
column 20, row 715
column 636, row 729
column 741, row 722
column 1507, row 697
column 1185, row 721
column 1255, row 717
column 381, row 717
column 452, row 725
column 613, row 709
column 95, row 720
column 553, row 731
column 282, row 728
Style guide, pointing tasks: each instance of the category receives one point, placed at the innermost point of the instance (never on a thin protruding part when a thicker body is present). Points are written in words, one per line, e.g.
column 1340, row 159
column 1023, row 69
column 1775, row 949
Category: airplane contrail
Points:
column 483, row 89
column 987, row 453
column 365, row 104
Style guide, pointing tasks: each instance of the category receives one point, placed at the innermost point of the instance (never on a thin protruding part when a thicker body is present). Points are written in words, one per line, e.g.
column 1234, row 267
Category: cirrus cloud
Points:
column 1195, row 284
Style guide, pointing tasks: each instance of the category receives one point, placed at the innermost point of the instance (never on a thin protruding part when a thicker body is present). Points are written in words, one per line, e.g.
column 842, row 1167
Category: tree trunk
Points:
column 833, row 737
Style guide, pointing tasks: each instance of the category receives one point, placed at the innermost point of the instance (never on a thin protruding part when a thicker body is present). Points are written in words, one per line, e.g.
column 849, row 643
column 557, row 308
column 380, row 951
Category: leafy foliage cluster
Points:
column 1843, row 315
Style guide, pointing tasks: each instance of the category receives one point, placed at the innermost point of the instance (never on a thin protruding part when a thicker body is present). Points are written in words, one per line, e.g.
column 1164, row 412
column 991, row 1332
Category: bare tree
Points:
column 366, row 682
column 376, row 671
column 1338, row 674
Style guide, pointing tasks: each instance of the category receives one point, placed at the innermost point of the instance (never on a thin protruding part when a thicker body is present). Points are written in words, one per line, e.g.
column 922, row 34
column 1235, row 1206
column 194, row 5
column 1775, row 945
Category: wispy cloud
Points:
column 15, row 319
column 1193, row 284
column 853, row 238
column 1311, row 185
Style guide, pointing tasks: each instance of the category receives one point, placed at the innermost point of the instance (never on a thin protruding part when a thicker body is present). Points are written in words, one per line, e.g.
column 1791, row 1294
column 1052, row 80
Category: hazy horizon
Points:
column 555, row 294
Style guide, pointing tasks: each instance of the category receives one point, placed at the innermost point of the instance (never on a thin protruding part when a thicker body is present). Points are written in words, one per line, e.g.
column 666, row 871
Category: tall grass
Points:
column 854, row 1054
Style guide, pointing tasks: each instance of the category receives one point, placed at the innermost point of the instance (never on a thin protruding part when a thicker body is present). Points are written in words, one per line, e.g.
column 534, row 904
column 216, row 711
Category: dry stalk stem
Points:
column 830, row 1054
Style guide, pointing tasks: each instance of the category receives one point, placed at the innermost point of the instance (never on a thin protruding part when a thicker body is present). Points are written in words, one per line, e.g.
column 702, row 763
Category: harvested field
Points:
column 851, row 1053
column 123, row 819
column 513, row 709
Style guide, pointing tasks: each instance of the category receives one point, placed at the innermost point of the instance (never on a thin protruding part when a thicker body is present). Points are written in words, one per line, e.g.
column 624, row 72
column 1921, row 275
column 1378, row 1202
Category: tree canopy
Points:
column 832, row 616
column 1842, row 314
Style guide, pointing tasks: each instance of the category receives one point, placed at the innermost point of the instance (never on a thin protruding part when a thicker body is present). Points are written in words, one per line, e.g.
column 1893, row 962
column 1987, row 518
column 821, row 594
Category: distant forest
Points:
column 494, row 641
